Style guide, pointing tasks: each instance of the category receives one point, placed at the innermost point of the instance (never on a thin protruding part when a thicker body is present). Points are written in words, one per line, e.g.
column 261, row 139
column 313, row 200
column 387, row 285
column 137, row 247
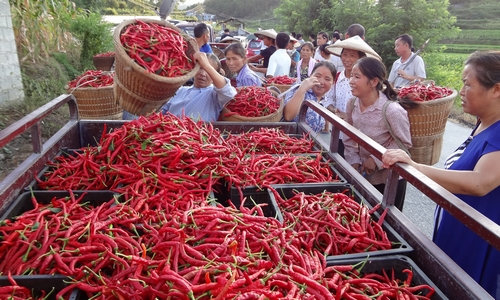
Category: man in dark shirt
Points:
column 225, row 34
column 269, row 38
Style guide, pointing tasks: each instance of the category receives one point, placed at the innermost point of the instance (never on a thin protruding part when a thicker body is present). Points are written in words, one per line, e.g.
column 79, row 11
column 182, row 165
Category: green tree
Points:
column 383, row 19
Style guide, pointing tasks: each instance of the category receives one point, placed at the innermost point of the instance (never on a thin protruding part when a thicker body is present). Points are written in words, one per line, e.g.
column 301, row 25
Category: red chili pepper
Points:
column 253, row 101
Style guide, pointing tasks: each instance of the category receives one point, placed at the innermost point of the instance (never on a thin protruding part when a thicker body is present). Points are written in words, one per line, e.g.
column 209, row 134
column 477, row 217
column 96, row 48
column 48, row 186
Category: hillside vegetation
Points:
column 479, row 22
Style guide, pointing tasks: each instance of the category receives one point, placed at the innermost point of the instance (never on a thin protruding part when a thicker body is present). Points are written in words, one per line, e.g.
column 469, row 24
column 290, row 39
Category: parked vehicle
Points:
column 188, row 27
column 254, row 47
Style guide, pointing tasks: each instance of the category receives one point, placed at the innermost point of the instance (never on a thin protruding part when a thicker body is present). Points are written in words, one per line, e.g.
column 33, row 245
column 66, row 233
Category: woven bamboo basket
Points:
column 104, row 63
column 274, row 117
column 97, row 103
column 138, row 91
column 427, row 124
column 282, row 87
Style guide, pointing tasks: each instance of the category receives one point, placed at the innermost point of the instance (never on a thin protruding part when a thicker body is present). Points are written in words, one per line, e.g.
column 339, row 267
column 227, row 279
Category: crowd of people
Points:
column 347, row 77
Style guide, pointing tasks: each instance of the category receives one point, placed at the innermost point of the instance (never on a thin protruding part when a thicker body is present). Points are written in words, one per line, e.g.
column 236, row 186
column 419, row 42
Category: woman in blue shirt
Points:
column 236, row 60
column 205, row 98
column 313, row 88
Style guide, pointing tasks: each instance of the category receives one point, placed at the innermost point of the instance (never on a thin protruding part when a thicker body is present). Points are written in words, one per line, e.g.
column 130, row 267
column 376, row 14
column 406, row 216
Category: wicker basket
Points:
column 427, row 124
column 138, row 91
column 282, row 87
column 104, row 63
column 275, row 117
column 97, row 103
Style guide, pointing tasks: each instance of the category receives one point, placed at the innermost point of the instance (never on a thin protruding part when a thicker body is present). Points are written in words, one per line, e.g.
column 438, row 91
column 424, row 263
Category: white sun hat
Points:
column 270, row 33
column 354, row 43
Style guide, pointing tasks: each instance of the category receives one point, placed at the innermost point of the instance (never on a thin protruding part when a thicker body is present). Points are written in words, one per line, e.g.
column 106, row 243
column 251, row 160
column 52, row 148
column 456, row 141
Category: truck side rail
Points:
column 431, row 258
column 15, row 181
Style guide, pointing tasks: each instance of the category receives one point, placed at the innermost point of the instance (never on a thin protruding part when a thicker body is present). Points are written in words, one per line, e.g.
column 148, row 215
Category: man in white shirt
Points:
column 280, row 61
column 409, row 66
column 335, row 60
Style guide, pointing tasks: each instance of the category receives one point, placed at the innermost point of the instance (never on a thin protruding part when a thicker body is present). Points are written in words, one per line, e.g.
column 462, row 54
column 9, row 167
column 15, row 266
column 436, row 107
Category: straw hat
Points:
column 355, row 43
column 296, row 43
column 229, row 39
column 270, row 33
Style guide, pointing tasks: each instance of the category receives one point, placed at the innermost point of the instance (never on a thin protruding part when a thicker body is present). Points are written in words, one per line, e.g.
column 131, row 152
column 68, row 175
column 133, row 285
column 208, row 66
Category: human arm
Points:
column 255, row 58
column 226, row 93
column 202, row 59
column 292, row 106
column 416, row 71
column 480, row 181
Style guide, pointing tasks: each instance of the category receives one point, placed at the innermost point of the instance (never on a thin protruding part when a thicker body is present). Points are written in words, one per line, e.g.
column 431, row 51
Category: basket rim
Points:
column 438, row 101
column 243, row 118
column 120, row 51
column 88, row 89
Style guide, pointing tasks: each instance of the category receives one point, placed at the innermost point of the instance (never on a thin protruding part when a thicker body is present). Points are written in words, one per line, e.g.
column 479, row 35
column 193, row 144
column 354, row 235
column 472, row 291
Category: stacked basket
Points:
column 96, row 103
column 427, row 124
column 138, row 91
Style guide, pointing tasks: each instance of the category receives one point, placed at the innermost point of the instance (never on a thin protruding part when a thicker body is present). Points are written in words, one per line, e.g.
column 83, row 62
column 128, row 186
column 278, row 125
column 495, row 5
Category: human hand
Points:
column 392, row 156
column 402, row 73
column 308, row 83
column 369, row 166
column 201, row 58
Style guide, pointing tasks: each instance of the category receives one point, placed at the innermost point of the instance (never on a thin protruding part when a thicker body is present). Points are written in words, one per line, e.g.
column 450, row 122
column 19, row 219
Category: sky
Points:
column 188, row 3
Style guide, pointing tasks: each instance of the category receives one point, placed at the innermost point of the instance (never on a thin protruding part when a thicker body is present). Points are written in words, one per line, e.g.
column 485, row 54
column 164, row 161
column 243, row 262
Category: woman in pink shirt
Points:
column 365, row 111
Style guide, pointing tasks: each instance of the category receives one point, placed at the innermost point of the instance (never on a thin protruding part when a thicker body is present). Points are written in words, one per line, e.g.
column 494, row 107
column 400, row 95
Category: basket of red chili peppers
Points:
column 283, row 83
column 253, row 104
column 428, row 119
column 93, row 91
column 104, row 61
column 153, row 59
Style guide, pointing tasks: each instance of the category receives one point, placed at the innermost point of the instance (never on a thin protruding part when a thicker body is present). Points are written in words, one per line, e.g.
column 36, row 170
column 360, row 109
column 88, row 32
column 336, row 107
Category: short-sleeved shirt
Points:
column 206, row 48
column 266, row 54
column 415, row 68
column 279, row 63
column 247, row 77
column 313, row 119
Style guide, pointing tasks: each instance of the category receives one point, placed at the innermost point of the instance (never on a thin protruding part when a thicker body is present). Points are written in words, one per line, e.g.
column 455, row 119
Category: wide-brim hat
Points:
column 229, row 39
column 354, row 43
column 296, row 43
column 270, row 33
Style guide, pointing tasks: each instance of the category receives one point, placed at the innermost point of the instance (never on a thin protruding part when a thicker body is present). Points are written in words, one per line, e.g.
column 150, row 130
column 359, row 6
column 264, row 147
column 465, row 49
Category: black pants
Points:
column 400, row 193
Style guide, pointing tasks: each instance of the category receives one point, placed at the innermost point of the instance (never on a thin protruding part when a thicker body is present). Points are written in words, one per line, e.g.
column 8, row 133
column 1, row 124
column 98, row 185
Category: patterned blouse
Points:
column 371, row 123
column 313, row 119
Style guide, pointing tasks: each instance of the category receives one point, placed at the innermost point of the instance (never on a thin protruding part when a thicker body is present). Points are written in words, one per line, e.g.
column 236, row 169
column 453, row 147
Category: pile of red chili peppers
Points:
column 162, row 236
column 282, row 79
column 158, row 49
column 424, row 92
column 253, row 101
column 92, row 78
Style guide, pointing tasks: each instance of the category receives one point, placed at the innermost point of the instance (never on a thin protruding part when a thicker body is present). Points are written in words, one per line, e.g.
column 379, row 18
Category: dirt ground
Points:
column 18, row 149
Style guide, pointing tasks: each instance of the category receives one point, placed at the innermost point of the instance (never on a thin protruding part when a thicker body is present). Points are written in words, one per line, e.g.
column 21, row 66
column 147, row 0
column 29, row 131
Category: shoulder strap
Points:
column 396, row 139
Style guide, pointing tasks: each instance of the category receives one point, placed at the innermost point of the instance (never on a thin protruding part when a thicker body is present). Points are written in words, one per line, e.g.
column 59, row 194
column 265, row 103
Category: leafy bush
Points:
column 94, row 35
column 445, row 69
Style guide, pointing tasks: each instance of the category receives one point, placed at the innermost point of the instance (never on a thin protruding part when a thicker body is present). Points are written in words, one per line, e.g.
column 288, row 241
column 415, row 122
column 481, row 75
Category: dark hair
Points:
column 336, row 35
column 374, row 68
column 324, row 34
column 200, row 29
column 325, row 63
column 323, row 49
column 313, row 36
column 356, row 29
column 487, row 66
column 216, row 60
column 293, row 34
column 308, row 44
column 226, row 30
column 407, row 39
column 282, row 40
column 336, row 31
column 236, row 48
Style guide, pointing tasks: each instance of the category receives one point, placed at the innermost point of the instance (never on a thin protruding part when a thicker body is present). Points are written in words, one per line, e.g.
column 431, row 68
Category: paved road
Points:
column 419, row 208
